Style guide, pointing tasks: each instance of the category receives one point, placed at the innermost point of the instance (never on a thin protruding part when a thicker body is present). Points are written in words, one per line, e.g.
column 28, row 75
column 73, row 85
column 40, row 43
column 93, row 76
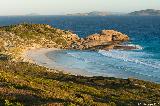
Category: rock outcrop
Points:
column 106, row 39
column 108, row 36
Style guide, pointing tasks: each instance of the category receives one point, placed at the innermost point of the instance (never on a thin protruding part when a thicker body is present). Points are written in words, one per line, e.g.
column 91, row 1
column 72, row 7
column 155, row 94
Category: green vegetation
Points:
column 34, row 31
column 26, row 84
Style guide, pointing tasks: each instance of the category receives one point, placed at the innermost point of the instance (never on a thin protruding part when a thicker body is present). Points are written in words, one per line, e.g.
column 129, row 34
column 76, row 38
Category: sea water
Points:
column 144, row 31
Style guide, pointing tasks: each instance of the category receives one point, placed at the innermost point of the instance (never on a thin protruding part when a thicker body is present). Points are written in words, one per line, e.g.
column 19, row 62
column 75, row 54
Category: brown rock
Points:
column 106, row 40
column 102, row 40
column 108, row 36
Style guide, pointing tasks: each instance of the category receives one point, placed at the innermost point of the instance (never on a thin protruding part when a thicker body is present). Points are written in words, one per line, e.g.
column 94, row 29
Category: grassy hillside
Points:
column 36, row 33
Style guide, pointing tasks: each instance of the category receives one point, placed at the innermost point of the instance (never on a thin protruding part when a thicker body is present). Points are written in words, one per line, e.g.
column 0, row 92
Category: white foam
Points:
column 138, row 47
column 129, row 56
column 77, row 56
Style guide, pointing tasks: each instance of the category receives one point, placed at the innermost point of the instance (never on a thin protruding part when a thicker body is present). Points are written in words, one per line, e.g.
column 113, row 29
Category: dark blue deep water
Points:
column 144, row 32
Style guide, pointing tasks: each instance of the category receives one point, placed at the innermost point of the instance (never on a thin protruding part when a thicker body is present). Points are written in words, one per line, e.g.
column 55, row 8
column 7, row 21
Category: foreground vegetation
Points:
column 23, row 83
column 28, row 84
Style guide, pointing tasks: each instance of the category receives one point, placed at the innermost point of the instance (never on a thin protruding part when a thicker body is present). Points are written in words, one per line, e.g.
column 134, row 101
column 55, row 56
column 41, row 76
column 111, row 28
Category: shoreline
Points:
column 39, row 56
column 27, row 54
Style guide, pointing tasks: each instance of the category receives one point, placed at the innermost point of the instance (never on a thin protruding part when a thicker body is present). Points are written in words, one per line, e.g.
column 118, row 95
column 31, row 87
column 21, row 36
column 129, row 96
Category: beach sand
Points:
column 39, row 57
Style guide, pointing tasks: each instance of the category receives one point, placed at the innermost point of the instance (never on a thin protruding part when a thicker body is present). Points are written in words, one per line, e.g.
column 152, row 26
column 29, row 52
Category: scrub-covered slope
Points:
column 28, row 84
column 16, row 38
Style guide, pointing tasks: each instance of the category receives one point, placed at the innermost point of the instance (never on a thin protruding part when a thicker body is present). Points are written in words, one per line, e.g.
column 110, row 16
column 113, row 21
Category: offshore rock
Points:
column 106, row 39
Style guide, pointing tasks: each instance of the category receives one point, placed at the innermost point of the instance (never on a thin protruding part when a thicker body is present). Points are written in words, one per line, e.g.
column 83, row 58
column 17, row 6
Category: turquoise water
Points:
column 144, row 31
column 121, row 64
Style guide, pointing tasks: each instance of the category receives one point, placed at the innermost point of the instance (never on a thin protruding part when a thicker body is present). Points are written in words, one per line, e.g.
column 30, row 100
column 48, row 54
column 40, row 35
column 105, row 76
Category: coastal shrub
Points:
column 69, row 104
column 8, row 103
column 112, row 104
column 4, row 57
column 60, row 41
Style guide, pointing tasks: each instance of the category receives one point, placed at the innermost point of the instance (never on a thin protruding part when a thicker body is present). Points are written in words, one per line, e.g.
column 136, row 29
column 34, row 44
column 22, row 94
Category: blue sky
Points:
column 49, row 7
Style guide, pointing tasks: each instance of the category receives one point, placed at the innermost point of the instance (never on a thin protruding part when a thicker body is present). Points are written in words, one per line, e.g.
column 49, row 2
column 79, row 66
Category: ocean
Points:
column 144, row 32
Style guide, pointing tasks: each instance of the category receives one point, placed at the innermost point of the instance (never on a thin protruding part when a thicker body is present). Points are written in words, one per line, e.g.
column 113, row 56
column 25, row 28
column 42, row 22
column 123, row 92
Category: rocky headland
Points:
column 147, row 12
column 17, row 38
column 23, row 83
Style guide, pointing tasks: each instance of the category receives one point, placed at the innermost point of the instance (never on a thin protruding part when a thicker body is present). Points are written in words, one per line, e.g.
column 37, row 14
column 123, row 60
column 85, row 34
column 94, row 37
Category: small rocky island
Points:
column 28, row 84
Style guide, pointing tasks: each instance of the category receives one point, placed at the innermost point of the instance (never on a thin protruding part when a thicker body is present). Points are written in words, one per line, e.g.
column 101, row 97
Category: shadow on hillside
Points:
column 18, row 86
column 32, row 100
column 35, row 100
column 24, row 94
column 112, row 97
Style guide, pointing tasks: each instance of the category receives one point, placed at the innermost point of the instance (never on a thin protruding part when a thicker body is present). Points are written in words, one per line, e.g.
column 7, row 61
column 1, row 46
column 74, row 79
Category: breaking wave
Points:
column 129, row 56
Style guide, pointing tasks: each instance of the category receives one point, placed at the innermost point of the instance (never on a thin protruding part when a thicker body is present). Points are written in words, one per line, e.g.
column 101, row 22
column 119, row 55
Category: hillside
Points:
column 16, row 38
column 147, row 12
column 27, row 84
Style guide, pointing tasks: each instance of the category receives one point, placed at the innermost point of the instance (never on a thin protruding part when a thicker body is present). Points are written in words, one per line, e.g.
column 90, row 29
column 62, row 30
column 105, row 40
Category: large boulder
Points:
column 108, row 36
column 105, row 39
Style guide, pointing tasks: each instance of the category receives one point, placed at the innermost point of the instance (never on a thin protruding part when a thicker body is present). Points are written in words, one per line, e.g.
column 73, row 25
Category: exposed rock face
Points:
column 70, row 38
column 105, row 39
column 108, row 36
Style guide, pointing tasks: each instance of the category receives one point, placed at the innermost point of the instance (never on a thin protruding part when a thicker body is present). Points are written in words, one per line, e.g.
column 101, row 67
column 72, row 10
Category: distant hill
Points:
column 95, row 13
column 147, row 12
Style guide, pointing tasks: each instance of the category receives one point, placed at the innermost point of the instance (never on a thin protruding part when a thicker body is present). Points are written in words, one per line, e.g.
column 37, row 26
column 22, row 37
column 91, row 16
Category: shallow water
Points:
column 122, row 64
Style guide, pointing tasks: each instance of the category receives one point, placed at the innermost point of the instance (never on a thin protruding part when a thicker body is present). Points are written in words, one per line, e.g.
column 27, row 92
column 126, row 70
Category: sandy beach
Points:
column 39, row 56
